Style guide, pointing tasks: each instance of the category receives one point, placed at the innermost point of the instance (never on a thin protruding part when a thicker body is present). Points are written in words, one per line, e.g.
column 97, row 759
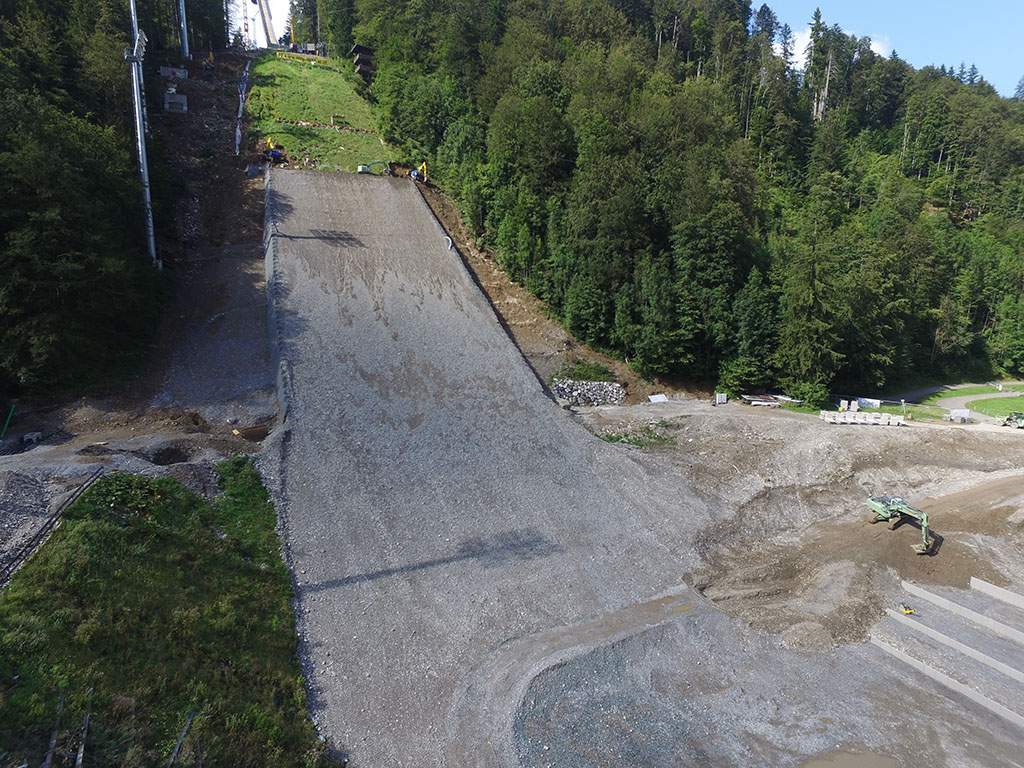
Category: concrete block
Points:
column 1005, row 595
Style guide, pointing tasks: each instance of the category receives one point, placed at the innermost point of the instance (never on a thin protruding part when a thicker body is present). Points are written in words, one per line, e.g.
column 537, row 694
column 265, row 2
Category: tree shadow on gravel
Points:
column 493, row 552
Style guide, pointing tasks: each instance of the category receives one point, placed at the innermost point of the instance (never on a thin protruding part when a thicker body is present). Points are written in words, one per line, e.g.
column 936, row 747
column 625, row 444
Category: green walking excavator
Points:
column 893, row 509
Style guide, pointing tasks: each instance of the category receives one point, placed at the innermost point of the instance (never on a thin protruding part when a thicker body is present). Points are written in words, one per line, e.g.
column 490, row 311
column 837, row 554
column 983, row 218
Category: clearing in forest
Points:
column 315, row 111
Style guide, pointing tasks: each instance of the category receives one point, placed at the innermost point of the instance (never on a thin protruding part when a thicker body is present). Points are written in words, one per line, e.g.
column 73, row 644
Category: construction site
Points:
column 486, row 576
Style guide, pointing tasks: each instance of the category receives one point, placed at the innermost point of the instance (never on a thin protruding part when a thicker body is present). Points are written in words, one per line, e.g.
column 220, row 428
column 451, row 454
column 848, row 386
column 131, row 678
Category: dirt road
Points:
column 477, row 576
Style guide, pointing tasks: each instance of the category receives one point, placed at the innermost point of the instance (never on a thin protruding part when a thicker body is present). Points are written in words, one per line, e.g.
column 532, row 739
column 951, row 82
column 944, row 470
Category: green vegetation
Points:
column 584, row 370
column 805, row 408
column 998, row 407
column 913, row 411
column 648, row 437
column 981, row 389
column 77, row 294
column 679, row 192
column 334, row 24
column 286, row 92
column 161, row 604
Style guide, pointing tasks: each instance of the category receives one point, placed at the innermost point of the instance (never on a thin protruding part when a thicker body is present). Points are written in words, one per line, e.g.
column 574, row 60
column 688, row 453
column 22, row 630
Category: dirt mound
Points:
column 23, row 506
column 798, row 555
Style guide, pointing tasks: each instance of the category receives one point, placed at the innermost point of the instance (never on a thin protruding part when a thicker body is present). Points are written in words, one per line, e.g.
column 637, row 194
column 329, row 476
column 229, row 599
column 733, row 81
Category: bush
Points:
column 813, row 393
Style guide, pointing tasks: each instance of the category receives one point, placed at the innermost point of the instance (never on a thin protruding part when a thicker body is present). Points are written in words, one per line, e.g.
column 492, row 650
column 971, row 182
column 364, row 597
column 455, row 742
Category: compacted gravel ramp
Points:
column 440, row 509
column 481, row 582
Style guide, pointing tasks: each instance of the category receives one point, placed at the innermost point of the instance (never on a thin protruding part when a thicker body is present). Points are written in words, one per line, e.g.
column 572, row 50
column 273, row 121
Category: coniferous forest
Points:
column 663, row 173
column 669, row 181
column 77, row 293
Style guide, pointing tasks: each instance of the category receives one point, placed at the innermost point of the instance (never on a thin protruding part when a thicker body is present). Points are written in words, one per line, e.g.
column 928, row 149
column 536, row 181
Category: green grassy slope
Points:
column 998, row 407
column 980, row 389
column 286, row 91
column 162, row 604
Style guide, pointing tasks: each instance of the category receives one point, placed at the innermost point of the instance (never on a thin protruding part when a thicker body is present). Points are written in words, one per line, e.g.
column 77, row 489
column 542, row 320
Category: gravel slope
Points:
column 437, row 503
column 480, row 582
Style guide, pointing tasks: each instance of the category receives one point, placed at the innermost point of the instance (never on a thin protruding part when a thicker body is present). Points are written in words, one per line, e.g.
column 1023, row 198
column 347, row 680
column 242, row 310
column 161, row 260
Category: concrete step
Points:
column 999, row 593
column 967, row 638
column 966, row 675
column 996, row 617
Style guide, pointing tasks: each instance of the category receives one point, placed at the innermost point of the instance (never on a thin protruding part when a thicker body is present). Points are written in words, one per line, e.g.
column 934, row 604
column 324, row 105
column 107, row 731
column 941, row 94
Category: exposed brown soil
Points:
column 538, row 334
column 800, row 557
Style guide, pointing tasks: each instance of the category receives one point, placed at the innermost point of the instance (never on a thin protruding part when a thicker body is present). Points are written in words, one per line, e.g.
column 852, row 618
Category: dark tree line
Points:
column 76, row 291
column 678, row 191
column 328, row 22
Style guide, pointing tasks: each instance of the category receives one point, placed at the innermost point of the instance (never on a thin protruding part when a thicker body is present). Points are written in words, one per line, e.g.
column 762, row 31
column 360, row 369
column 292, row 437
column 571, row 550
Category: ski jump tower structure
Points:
column 268, row 22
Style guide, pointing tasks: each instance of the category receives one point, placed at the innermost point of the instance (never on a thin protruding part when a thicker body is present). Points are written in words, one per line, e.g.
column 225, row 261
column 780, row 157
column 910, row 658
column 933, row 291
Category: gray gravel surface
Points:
column 481, row 582
column 438, row 504
column 220, row 364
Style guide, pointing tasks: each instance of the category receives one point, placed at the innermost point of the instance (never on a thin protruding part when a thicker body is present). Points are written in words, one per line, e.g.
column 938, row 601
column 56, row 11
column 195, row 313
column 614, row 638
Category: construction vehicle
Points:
column 1015, row 420
column 368, row 167
column 893, row 509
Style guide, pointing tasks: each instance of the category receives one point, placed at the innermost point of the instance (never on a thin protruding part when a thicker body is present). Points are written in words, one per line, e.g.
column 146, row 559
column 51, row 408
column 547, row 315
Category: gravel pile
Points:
column 589, row 392
column 23, row 505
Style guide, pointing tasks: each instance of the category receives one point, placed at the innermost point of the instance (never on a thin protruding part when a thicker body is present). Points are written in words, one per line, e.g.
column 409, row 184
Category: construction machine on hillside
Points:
column 893, row 509
column 1015, row 420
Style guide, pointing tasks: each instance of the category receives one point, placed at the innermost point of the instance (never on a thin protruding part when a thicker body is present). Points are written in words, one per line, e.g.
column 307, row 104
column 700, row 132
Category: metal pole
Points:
column 186, row 54
column 134, row 58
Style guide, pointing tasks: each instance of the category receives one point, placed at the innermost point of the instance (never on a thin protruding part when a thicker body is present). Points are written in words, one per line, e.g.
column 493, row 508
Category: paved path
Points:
column 953, row 403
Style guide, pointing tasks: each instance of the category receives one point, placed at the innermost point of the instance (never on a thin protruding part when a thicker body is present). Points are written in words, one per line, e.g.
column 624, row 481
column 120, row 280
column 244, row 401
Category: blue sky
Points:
column 989, row 33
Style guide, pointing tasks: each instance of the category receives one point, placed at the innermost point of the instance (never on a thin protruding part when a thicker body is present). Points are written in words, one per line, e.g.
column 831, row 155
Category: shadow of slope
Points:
column 502, row 548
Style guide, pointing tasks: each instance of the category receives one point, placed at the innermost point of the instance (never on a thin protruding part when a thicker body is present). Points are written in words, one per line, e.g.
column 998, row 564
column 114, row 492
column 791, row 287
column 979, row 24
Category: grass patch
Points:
column 998, row 407
column 648, row 437
column 584, row 370
column 915, row 412
column 161, row 604
column 980, row 389
column 286, row 91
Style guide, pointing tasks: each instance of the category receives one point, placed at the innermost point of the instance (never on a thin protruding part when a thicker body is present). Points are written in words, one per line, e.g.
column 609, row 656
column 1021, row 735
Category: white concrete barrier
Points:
column 994, row 626
column 954, row 685
column 1005, row 595
column 956, row 645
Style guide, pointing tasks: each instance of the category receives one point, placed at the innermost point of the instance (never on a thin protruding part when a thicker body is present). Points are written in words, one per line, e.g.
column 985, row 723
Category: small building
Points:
column 362, row 60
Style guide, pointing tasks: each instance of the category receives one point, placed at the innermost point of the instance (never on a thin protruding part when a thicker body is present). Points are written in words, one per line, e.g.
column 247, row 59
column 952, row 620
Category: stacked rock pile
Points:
column 588, row 392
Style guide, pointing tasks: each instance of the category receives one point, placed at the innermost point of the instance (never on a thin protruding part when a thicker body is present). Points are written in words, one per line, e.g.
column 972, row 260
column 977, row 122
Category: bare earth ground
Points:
column 796, row 554
column 482, row 583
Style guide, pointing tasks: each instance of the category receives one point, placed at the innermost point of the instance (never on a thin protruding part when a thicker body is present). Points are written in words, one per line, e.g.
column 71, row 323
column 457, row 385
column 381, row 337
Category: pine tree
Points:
column 1019, row 93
